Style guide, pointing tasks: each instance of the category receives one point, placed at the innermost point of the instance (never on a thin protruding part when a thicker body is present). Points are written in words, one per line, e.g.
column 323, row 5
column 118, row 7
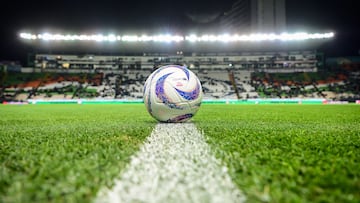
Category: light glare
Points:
column 178, row 38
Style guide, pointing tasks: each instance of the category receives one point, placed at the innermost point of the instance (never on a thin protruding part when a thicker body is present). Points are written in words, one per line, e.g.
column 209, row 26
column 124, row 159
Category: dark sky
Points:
column 122, row 16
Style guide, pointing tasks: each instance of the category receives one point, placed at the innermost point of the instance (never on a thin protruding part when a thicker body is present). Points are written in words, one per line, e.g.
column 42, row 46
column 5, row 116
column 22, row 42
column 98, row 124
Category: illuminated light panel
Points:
column 155, row 38
column 178, row 38
column 28, row 36
column 258, row 37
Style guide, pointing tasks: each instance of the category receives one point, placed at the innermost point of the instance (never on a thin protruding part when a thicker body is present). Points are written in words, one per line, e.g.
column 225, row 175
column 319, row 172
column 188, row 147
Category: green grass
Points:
column 288, row 153
column 275, row 153
column 65, row 153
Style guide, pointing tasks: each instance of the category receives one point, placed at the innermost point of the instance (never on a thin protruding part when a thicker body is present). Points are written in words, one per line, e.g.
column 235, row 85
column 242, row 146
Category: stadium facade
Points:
column 291, row 61
column 256, row 16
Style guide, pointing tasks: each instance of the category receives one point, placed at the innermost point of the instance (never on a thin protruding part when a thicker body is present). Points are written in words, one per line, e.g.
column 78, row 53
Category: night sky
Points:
column 123, row 16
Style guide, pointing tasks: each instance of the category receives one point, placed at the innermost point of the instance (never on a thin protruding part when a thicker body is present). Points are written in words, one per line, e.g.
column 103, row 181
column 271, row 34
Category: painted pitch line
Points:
column 174, row 165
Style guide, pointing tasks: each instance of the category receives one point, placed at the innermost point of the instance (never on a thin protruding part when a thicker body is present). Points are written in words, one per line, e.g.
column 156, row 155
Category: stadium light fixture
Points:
column 130, row 38
column 191, row 38
column 28, row 36
column 178, row 38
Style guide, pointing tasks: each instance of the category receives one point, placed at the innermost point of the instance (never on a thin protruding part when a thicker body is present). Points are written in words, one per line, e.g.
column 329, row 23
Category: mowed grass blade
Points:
column 65, row 153
column 288, row 153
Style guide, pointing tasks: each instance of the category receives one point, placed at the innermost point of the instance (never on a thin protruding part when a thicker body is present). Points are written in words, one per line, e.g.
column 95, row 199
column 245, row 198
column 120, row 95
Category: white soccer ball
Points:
column 172, row 93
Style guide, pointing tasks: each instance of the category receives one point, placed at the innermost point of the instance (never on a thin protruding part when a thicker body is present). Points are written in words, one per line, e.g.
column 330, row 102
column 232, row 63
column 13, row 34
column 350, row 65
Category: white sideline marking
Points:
column 174, row 165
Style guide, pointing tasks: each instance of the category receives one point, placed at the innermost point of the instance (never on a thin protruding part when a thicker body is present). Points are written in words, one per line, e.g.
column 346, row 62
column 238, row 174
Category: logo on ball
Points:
column 172, row 94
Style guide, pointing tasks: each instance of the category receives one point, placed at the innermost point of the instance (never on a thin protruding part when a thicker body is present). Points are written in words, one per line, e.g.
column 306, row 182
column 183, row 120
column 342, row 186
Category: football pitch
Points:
column 273, row 153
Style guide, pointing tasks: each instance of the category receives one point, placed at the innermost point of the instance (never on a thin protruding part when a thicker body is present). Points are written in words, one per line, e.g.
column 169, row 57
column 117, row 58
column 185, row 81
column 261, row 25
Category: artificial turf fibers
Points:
column 275, row 153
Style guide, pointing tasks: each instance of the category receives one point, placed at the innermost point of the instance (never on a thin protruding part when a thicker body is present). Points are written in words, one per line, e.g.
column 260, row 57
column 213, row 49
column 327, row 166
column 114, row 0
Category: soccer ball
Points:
column 172, row 94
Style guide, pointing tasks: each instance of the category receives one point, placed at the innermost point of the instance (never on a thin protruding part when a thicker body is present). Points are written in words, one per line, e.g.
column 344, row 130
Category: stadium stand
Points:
column 225, row 76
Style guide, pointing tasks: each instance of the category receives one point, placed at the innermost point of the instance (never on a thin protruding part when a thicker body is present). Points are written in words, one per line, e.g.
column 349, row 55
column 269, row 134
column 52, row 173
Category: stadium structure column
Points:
column 233, row 83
